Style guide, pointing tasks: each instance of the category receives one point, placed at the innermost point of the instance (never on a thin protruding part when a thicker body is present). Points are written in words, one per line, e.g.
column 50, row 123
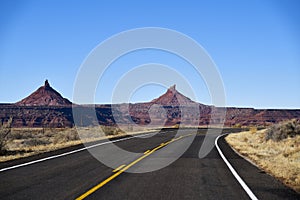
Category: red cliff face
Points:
column 44, row 96
column 47, row 108
column 172, row 101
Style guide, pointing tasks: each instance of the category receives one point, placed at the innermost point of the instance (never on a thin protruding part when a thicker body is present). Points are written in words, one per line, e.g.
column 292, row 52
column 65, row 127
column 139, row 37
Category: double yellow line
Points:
column 123, row 168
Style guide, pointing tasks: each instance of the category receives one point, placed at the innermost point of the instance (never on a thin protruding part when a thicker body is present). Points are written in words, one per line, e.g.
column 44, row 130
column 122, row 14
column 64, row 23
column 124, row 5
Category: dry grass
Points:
column 280, row 159
column 24, row 142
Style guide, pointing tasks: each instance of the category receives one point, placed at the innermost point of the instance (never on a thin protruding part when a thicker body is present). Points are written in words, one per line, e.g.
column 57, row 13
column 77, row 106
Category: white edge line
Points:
column 235, row 174
column 68, row 153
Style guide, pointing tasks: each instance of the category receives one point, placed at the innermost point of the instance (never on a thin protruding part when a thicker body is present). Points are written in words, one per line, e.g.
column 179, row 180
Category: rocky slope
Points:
column 44, row 96
column 172, row 98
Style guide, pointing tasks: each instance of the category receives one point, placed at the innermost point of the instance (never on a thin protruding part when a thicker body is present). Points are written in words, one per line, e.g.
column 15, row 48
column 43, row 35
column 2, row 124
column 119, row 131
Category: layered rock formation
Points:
column 47, row 108
column 172, row 98
column 44, row 96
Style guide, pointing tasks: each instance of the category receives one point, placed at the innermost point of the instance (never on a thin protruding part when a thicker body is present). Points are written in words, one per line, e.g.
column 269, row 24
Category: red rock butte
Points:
column 44, row 96
column 47, row 108
column 172, row 97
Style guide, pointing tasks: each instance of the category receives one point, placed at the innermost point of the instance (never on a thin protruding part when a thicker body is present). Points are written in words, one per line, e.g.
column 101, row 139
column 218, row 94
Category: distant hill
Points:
column 44, row 96
column 47, row 108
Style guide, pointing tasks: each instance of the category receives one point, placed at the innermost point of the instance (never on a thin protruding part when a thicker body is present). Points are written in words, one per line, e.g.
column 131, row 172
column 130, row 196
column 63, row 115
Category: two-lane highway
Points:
column 80, row 175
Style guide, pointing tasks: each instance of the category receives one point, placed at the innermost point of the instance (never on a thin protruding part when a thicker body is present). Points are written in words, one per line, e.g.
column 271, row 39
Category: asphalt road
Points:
column 189, row 177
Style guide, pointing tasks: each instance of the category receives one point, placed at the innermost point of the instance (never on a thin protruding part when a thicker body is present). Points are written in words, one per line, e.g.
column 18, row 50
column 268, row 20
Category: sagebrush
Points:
column 283, row 130
column 111, row 130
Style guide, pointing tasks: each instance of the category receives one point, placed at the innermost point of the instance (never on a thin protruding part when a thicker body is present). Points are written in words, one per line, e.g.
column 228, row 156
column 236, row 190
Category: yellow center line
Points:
column 147, row 151
column 118, row 169
column 123, row 168
column 99, row 185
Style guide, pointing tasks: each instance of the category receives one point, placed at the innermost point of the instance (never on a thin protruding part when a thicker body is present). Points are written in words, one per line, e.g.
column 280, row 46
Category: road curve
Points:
column 73, row 175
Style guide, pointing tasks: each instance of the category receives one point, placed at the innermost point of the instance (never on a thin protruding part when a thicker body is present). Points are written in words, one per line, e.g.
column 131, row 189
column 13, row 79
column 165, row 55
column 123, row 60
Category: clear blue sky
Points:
column 255, row 45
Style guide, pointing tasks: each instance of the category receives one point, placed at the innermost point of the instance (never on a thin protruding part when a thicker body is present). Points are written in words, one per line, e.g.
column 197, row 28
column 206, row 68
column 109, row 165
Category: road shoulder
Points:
column 262, row 184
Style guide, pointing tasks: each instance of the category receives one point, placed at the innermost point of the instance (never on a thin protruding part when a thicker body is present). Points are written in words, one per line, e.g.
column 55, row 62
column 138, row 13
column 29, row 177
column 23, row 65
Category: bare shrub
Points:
column 111, row 130
column 65, row 136
column 283, row 130
column 4, row 133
